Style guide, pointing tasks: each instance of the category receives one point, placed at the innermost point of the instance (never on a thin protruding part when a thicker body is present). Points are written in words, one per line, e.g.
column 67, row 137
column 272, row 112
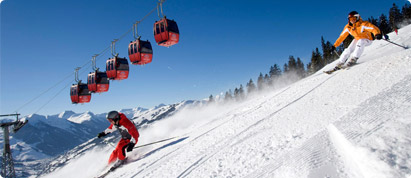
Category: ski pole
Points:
column 155, row 142
column 405, row 47
column 108, row 143
column 335, row 51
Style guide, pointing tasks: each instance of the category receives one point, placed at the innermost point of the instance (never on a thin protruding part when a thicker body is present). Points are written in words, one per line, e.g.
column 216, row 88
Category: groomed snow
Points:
column 353, row 123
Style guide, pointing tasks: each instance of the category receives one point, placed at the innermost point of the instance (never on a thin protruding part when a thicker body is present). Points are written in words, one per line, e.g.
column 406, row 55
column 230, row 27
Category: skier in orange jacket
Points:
column 363, row 32
column 129, row 135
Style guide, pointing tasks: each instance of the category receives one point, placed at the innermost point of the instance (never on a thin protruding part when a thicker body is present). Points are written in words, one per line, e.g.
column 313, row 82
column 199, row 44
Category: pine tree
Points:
column 236, row 93
column 322, row 62
column 266, row 80
column 270, row 81
column 210, row 99
column 251, row 86
column 328, row 54
column 373, row 21
column 384, row 25
column 260, row 82
column 316, row 61
column 300, row 68
column 241, row 93
column 292, row 64
column 275, row 73
column 310, row 68
column 285, row 68
column 395, row 17
column 406, row 12
column 228, row 95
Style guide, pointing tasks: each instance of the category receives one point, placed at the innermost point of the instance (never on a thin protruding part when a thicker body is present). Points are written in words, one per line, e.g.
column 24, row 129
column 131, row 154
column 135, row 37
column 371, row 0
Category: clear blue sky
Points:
column 223, row 43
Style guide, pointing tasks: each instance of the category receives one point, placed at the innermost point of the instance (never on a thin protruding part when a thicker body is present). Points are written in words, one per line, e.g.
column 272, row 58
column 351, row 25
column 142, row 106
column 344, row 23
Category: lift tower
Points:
column 7, row 165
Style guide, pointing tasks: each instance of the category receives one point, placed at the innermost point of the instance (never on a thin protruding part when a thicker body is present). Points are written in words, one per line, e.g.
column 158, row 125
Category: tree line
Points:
column 295, row 69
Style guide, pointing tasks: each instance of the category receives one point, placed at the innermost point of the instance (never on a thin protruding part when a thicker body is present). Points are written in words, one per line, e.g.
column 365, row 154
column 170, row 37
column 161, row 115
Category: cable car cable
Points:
column 58, row 83
column 65, row 87
column 87, row 63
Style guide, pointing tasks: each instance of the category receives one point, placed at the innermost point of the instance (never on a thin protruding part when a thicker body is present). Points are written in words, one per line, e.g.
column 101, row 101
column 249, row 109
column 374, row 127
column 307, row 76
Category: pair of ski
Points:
column 113, row 168
column 337, row 69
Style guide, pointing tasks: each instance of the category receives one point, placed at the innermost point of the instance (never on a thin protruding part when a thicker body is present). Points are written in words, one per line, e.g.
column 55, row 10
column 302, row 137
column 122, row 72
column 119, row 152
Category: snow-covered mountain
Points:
column 353, row 123
column 45, row 139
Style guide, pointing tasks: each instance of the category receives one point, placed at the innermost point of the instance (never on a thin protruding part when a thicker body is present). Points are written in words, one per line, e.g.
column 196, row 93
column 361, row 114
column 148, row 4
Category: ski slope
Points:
column 354, row 123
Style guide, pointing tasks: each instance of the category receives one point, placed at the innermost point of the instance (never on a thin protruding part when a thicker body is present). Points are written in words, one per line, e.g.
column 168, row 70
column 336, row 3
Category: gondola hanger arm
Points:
column 76, row 74
column 113, row 48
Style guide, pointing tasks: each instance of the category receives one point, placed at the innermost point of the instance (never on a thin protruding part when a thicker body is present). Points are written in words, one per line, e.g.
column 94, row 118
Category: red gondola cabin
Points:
column 140, row 52
column 79, row 93
column 117, row 68
column 166, row 32
column 98, row 82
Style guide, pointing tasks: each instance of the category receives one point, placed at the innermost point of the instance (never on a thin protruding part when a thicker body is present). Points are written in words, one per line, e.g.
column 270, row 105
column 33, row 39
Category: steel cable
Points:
column 70, row 75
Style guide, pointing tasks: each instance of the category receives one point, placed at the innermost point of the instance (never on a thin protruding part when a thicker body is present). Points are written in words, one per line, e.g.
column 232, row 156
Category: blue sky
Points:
column 222, row 45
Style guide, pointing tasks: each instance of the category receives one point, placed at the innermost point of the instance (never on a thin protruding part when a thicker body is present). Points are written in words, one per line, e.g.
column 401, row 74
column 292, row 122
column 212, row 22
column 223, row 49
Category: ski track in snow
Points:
column 223, row 143
column 315, row 158
column 356, row 126
column 239, row 138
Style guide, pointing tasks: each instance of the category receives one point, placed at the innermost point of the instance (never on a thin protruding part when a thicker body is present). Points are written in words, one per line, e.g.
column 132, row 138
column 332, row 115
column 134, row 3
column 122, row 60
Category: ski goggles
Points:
column 113, row 119
column 353, row 17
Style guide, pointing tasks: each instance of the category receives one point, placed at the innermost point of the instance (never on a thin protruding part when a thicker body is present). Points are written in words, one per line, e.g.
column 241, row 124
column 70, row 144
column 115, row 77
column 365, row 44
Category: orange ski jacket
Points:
column 359, row 30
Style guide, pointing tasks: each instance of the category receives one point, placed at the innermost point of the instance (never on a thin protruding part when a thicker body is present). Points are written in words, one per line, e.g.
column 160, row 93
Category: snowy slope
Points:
column 353, row 123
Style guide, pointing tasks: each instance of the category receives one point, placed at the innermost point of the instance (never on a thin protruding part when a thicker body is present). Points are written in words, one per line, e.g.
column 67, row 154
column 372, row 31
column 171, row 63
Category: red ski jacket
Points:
column 126, row 129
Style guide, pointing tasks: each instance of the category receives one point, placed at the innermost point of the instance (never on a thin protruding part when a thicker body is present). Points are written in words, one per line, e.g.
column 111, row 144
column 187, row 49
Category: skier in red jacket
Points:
column 129, row 135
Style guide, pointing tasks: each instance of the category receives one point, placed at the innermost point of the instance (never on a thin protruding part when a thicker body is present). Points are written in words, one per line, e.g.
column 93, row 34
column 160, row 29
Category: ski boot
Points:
column 352, row 61
column 117, row 164
column 337, row 67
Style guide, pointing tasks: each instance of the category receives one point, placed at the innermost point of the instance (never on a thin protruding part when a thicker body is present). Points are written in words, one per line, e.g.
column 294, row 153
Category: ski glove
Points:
column 378, row 36
column 332, row 48
column 130, row 146
column 102, row 134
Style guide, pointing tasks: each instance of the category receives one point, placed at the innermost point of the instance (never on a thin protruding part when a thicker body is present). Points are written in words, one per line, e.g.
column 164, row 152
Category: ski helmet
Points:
column 113, row 115
column 354, row 14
